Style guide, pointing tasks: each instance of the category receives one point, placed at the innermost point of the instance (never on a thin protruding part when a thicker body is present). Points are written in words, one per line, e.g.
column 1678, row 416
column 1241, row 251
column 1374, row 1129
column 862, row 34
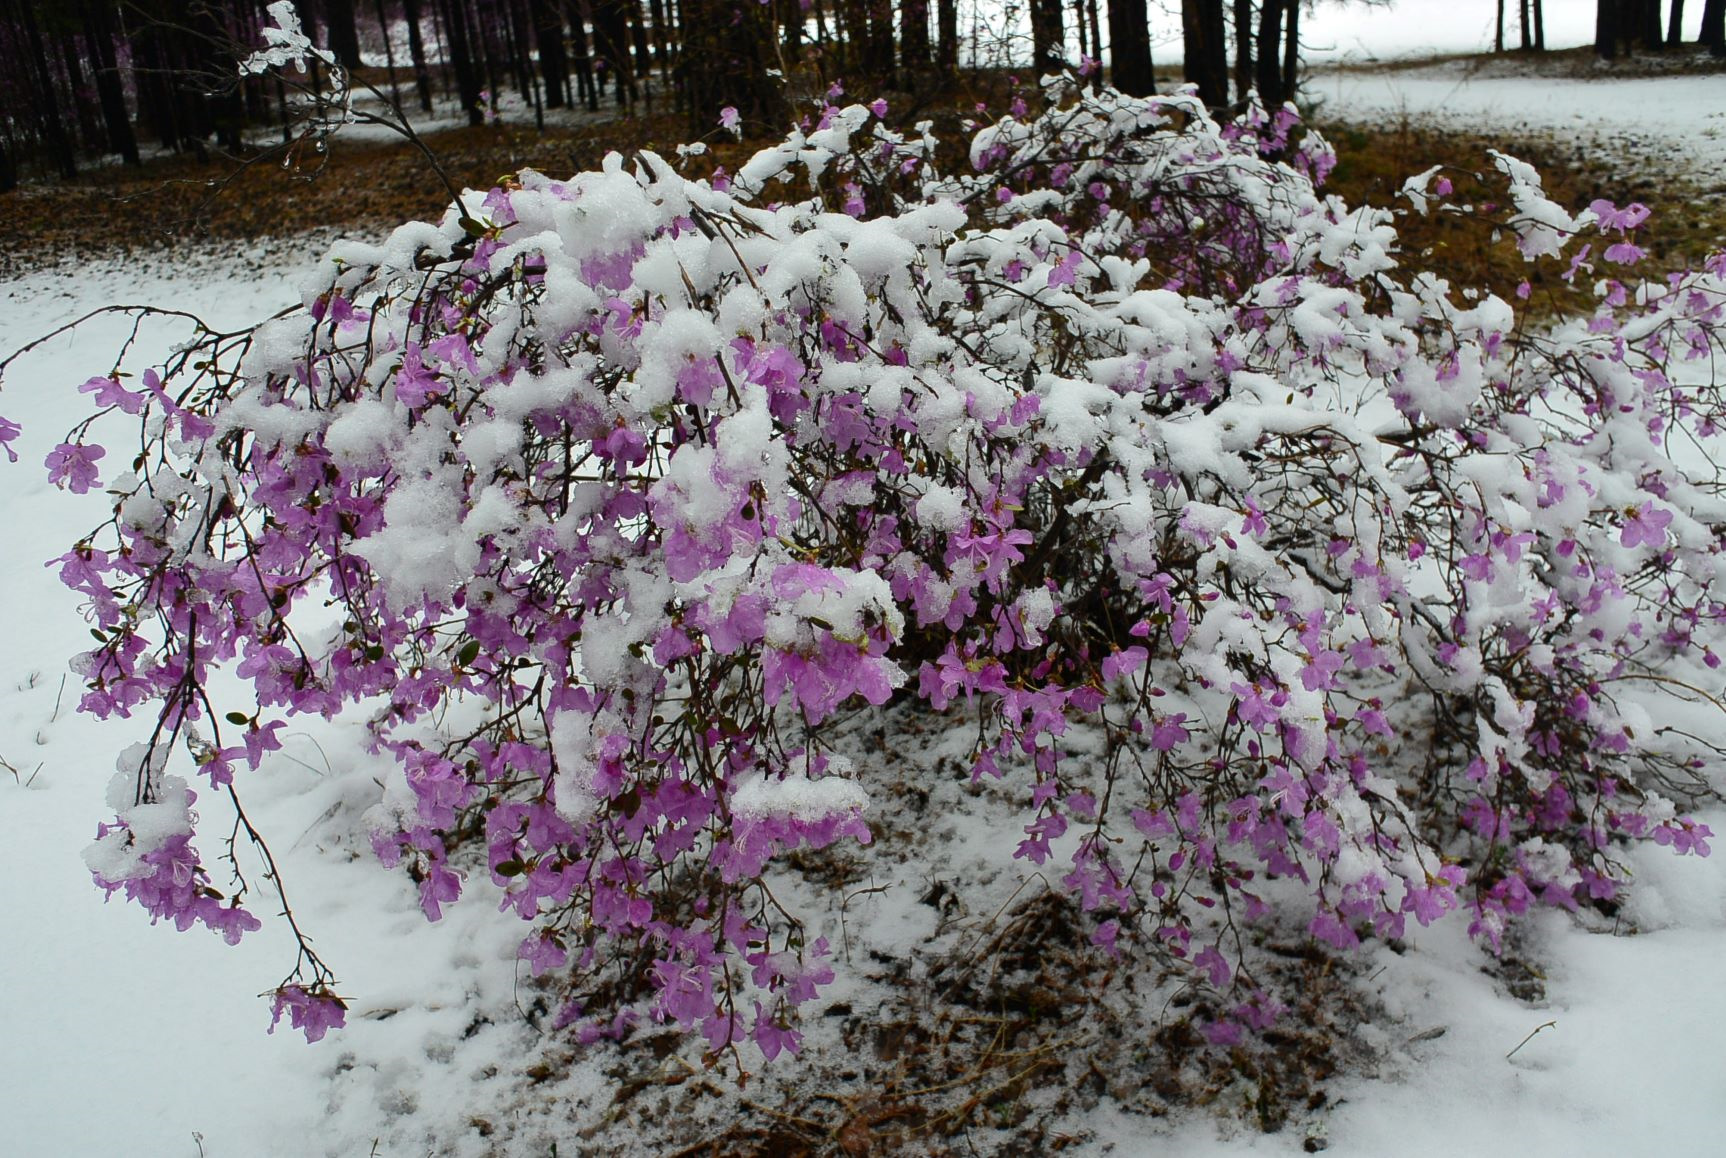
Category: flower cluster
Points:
column 625, row 487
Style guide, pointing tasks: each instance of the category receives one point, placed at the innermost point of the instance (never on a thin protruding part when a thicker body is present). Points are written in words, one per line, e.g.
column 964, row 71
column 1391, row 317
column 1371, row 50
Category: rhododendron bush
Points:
column 1247, row 551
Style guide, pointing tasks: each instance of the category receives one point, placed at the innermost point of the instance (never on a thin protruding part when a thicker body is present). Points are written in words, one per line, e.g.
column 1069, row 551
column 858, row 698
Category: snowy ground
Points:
column 1671, row 125
column 124, row 1039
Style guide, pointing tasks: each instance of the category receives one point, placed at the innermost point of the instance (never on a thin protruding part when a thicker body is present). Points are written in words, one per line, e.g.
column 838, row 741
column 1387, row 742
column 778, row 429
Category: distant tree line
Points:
column 101, row 77
column 119, row 77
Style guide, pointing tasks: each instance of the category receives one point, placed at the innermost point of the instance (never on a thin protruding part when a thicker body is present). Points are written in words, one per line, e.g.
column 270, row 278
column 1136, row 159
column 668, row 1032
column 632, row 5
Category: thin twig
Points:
column 1529, row 1038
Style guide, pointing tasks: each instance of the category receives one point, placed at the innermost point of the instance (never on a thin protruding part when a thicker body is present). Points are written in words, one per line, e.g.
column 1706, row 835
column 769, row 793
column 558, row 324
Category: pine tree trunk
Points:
column 878, row 59
column 344, row 32
column 661, row 38
column 913, row 35
column 947, row 34
column 1648, row 24
column 99, row 42
column 581, row 55
column 1243, row 48
column 553, row 60
column 1714, row 27
column 459, row 40
column 1291, row 52
column 1130, row 48
column 417, row 52
column 1269, row 69
column 1205, row 50
column 1048, row 36
column 1606, row 29
column 47, row 99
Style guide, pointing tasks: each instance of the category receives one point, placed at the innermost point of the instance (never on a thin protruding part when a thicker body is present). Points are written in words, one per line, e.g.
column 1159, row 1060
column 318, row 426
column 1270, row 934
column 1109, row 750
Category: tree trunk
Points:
column 1606, row 29
column 507, row 18
column 1714, row 27
column 553, row 60
column 389, row 55
column 482, row 19
column 1291, row 52
column 661, row 38
column 1048, row 36
column 913, row 35
column 99, row 42
column 1271, row 91
column 1498, row 30
column 344, row 33
column 586, row 89
column 1130, row 48
column 417, row 51
column 1243, row 48
column 1648, row 24
column 1540, row 25
column 1205, row 50
column 89, row 133
column 947, row 34
column 638, row 36
column 1675, row 26
column 878, row 59
column 611, row 46
column 47, row 99
column 459, row 39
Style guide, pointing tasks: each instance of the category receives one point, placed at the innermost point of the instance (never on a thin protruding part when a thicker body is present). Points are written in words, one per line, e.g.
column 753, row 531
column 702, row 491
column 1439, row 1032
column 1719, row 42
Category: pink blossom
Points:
column 315, row 1011
column 1645, row 526
column 73, row 466
column 109, row 392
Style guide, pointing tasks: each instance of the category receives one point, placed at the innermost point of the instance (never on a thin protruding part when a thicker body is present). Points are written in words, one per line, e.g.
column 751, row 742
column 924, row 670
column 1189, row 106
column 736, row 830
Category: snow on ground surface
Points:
column 1675, row 124
column 126, row 1039
column 1353, row 29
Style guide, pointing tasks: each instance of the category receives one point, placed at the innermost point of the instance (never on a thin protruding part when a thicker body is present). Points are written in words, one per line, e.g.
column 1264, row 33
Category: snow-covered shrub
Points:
column 603, row 499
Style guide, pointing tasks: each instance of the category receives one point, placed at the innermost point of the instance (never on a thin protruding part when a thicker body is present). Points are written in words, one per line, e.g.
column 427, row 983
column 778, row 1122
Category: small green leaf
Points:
column 468, row 653
column 238, row 718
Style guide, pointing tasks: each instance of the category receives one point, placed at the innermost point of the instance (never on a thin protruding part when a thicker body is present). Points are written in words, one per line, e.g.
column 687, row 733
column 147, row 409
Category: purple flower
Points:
column 772, row 1037
column 1320, row 674
column 1214, row 965
column 8, row 431
column 260, row 740
column 728, row 119
column 1645, row 525
column 1624, row 253
column 315, row 1012
column 1169, row 732
column 1611, row 217
column 109, row 392
column 73, row 466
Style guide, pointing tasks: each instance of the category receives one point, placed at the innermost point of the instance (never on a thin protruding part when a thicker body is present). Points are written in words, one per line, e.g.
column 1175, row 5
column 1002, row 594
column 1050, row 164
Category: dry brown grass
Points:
column 1372, row 165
